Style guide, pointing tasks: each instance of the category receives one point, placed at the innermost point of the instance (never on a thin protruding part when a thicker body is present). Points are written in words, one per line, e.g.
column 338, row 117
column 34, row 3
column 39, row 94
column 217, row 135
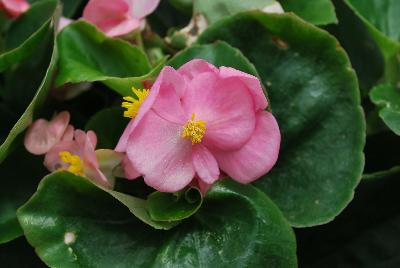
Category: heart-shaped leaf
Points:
column 71, row 222
column 87, row 55
column 314, row 95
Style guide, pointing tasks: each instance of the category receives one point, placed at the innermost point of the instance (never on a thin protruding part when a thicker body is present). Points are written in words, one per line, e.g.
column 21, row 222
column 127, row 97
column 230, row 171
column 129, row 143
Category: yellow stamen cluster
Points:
column 131, row 104
column 194, row 130
column 75, row 163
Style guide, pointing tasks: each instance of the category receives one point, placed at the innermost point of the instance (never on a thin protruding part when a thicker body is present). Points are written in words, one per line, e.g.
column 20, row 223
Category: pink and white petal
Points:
column 122, row 27
column 205, row 164
column 63, row 22
column 130, row 171
column 258, row 156
column 68, row 134
column 42, row 135
column 158, row 152
column 227, row 108
column 196, row 67
column 168, row 76
column 87, row 144
column 252, row 83
column 105, row 12
column 15, row 7
column 141, row 8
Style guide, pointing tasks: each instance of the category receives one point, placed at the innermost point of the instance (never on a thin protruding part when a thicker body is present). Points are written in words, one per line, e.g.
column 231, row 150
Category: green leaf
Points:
column 27, row 33
column 20, row 173
column 387, row 98
column 109, row 124
column 26, row 86
column 71, row 223
column 174, row 206
column 314, row 95
column 382, row 174
column 87, row 55
column 318, row 12
column 213, row 10
column 382, row 19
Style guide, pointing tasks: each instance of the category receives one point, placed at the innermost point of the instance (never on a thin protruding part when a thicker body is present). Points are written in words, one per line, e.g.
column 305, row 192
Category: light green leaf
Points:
column 314, row 95
column 319, row 12
column 87, row 55
column 387, row 98
column 72, row 223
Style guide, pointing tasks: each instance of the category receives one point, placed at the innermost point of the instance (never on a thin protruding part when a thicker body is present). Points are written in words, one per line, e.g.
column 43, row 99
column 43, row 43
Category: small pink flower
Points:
column 118, row 17
column 77, row 156
column 197, row 121
column 14, row 7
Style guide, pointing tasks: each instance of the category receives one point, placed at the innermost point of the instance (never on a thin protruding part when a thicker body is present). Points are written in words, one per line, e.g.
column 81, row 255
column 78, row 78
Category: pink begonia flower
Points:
column 14, row 7
column 197, row 121
column 118, row 17
column 71, row 150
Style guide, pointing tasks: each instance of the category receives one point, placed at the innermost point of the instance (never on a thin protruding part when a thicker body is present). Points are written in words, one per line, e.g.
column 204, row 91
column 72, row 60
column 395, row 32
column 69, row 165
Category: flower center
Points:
column 131, row 104
column 75, row 163
column 194, row 130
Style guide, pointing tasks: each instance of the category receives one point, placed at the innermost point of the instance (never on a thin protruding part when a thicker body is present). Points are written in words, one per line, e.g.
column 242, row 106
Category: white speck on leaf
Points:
column 69, row 238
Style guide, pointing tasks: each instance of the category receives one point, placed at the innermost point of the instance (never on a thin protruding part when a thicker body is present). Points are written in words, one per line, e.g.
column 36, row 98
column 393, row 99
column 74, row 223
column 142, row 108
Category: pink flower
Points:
column 197, row 121
column 70, row 150
column 14, row 7
column 118, row 17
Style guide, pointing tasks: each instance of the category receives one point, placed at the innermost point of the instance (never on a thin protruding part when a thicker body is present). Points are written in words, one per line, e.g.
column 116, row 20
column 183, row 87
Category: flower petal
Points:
column 168, row 78
column 15, row 7
column 158, row 152
column 205, row 164
column 42, row 135
column 225, row 105
column 130, row 171
column 258, row 156
column 196, row 67
column 141, row 8
column 252, row 83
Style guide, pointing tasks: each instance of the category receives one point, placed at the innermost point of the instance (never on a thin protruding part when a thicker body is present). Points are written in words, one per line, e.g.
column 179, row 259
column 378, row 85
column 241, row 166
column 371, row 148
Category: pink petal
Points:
column 68, row 134
column 112, row 17
column 258, row 156
column 225, row 105
column 196, row 67
column 42, row 135
column 14, row 7
column 205, row 164
column 158, row 152
column 141, row 8
column 252, row 83
column 167, row 78
column 87, row 144
column 130, row 171
column 63, row 22
column 52, row 159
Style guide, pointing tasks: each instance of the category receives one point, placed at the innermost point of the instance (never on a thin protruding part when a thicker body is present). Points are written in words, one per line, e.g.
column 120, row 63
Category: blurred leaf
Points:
column 27, row 33
column 387, row 98
column 72, row 223
column 109, row 124
column 318, row 12
column 314, row 95
column 87, row 55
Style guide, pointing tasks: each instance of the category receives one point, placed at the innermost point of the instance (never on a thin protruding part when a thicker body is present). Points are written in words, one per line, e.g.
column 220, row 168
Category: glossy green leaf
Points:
column 27, row 33
column 174, row 206
column 319, row 12
column 71, row 223
column 87, row 55
column 20, row 174
column 382, row 19
column 25, row 88
column 314, row 95
column 109, row 124
column 213, row 10
column 387, row 98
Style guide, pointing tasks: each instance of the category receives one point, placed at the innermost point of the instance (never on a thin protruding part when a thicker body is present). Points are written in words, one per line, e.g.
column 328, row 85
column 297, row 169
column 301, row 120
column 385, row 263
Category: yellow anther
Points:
column 131, row 104
column 194, row 130
column 75, row 163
